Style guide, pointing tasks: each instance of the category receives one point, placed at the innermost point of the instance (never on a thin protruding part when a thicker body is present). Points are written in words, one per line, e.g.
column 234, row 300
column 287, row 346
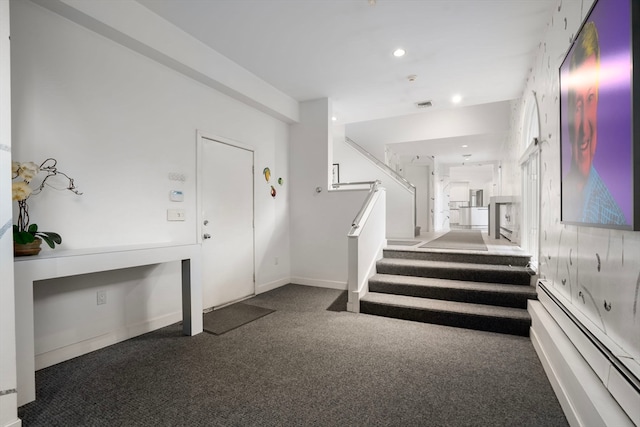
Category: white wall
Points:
column 569, row 254
column 459, row 192
column 120, row 123
column 8, row 394
column 586, row 268
column 319, row 221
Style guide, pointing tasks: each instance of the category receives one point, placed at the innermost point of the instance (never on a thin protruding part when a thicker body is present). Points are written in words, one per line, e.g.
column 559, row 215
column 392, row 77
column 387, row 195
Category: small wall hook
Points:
column 318, row 189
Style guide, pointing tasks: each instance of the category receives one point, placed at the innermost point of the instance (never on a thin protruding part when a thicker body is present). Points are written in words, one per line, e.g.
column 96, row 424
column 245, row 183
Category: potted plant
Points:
column 27, row 237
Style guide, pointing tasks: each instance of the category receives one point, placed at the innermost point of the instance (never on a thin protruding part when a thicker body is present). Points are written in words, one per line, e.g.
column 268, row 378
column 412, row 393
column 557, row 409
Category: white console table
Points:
column 494, row 213
column 62, row 263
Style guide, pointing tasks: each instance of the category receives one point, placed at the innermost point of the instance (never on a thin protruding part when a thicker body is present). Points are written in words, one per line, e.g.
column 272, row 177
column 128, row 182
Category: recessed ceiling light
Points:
column 334, row 118
column 412, row 78
column 399, row 52
column 465, row 146
column 456, row 99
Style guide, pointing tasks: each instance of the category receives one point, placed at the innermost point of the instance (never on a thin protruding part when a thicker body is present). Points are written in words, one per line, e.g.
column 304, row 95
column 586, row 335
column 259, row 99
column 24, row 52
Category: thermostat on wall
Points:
column 176, row 196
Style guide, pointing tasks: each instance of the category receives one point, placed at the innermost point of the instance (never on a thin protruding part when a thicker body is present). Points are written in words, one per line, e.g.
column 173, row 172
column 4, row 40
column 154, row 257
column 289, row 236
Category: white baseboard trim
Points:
column 355, row 297
column 583, row 397
column 342, row 286
column 58, row 355
column 16, row 423
column 9, row 405
column 266, row 287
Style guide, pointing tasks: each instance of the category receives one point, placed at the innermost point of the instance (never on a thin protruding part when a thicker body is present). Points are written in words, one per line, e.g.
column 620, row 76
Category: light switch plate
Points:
column 175, row 215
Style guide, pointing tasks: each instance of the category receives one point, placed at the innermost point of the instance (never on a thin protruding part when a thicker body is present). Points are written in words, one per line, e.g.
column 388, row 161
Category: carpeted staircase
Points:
column 474, row 290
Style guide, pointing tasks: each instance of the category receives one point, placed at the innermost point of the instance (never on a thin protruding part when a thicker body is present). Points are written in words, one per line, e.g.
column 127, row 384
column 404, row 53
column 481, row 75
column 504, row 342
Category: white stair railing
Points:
column 402, row 213
column 381, row 165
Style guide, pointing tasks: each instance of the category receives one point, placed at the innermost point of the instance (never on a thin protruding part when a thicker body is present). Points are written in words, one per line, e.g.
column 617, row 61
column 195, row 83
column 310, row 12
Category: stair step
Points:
column 507, row 274
column 520, row 260
column 506, row 320
column 453, row 290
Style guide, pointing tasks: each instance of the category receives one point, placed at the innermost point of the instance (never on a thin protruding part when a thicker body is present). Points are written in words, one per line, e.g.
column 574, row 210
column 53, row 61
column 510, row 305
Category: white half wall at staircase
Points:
column 320, row 219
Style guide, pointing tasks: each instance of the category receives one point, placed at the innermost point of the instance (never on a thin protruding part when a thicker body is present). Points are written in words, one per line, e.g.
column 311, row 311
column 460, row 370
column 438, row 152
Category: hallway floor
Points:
column 497, row 246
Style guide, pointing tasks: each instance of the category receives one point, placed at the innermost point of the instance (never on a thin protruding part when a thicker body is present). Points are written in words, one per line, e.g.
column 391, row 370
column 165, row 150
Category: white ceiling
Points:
column 480, row 149
column 342, row 49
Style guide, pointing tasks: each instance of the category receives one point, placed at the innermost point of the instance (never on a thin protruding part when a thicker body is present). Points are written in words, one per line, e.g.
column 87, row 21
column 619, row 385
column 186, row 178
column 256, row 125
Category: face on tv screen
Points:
column 596, row 120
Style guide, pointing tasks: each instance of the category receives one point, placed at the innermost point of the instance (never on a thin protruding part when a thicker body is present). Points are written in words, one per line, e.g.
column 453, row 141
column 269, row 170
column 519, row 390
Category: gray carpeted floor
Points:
column 302, row 365
column 459, row 239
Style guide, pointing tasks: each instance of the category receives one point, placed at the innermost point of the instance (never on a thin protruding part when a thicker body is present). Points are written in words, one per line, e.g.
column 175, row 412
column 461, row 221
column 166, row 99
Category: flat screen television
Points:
column 600, row 146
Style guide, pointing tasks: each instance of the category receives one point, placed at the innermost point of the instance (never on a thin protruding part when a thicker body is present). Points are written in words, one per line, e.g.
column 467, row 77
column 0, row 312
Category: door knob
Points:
column 206, row 221
column 206, row 236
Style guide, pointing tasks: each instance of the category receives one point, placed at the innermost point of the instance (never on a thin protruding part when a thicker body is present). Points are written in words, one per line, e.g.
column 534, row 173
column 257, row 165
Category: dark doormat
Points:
column 459, row 239
column 218, row 322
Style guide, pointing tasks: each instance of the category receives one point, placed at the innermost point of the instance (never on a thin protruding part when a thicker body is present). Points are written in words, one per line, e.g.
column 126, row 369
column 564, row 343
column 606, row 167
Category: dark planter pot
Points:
column 27, row 249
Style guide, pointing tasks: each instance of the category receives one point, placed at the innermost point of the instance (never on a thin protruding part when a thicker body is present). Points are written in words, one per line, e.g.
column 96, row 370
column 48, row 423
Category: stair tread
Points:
column 447, row 306
column 454, row 284
column 451, row 265
column 488, row 254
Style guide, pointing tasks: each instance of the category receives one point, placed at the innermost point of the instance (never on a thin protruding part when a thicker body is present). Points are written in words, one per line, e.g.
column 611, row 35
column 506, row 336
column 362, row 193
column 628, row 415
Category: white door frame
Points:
column 200, row 137
column 531, row 158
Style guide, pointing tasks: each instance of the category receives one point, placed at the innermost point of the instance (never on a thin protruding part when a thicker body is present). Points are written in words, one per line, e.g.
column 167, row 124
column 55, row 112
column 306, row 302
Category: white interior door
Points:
column 226, row 192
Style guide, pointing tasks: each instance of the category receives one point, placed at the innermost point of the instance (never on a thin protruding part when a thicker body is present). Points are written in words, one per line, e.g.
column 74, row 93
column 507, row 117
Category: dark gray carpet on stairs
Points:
column 518, row 260
column 455, row 270
column 458, row 239
column 302, row 365
column 233, row 316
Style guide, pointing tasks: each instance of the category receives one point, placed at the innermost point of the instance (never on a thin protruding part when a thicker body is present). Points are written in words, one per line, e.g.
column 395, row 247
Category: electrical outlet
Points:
column 101, row 297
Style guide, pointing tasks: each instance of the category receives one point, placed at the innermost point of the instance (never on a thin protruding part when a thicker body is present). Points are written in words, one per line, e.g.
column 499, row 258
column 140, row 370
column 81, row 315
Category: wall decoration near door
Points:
column 267, row 176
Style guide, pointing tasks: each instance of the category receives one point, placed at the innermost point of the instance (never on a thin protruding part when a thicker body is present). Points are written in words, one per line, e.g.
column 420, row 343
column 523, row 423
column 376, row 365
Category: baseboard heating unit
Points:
column 593, row 379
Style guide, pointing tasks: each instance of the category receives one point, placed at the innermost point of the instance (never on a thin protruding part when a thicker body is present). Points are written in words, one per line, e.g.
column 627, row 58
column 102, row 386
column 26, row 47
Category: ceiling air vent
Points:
column 424, row 104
